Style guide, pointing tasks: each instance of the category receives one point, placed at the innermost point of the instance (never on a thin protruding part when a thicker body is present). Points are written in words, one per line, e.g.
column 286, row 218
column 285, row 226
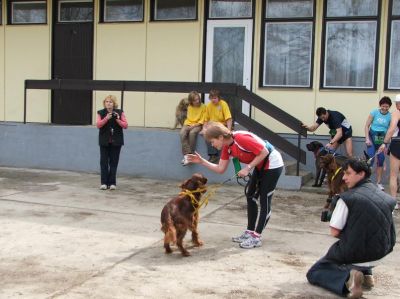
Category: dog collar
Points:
column 336, row 172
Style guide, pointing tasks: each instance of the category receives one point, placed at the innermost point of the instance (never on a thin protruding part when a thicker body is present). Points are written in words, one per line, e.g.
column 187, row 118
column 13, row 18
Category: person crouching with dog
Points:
column 262, row 158
column 192, row 125
column 110, row 122
column 362, row 221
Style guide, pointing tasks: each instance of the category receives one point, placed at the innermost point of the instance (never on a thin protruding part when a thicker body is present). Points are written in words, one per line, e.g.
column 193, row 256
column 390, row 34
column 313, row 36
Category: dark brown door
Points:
column 72, row 59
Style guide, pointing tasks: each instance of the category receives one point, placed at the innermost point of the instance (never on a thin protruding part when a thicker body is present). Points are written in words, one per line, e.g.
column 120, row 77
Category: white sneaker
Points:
column 251, row 242
column 185, row 161
column 396, row 207
column 380, row 186
column 103, row 187
column 113, row 187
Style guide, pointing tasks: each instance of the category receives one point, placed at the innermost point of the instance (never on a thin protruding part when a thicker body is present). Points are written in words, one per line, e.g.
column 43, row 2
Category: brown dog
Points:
column 181, row 214
column 333, row 166
column 181, row 112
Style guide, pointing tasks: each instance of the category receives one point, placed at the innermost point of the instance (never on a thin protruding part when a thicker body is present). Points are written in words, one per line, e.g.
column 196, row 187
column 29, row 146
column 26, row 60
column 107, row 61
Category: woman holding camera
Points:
column 110, row 122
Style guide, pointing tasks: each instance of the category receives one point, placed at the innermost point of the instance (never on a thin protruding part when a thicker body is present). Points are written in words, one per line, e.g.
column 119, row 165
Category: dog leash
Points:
column 197, row 204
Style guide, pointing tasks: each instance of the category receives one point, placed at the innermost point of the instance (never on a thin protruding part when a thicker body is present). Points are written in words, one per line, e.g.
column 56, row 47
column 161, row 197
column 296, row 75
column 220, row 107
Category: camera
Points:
column 114, row 114
column 326, row 214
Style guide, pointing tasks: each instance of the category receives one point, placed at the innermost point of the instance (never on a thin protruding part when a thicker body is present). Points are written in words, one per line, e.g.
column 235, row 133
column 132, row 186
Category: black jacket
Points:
column 111, row 132
column 369, row 233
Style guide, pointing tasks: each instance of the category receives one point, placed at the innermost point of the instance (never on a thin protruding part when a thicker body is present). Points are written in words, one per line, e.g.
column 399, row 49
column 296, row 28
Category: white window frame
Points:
column 71, row 1
column 231, row 17
column 27, row 2
column 115, row 21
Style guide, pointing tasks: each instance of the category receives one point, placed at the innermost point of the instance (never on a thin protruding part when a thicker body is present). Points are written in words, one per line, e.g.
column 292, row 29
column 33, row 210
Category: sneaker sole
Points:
column 249, row 247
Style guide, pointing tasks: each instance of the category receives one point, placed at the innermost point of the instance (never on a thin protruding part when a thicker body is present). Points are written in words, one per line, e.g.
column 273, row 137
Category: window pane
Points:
column 287, row 60
column 289, row 9
column 350, row 54
column 28, row 12
column 228, row 58
column 75, row 11
column 394, row 63
column 123, row 10
column 175, row 9
column 349, row 8
column 396, row 8
column 230, row 9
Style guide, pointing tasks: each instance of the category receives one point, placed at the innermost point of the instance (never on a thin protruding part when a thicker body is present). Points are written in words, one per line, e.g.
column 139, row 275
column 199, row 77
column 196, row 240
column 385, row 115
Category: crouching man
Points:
column 363, row 223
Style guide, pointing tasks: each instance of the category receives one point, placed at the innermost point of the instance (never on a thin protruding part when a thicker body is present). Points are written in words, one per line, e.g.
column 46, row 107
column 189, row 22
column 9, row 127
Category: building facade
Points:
column 298, row 54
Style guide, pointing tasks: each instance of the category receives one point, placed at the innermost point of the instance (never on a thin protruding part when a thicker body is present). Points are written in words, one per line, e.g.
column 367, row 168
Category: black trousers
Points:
column 109, row 158
column 333, row 276
column 266, row 184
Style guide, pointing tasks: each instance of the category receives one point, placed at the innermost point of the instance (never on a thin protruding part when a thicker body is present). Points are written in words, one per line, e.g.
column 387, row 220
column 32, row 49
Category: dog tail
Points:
column 167, row 226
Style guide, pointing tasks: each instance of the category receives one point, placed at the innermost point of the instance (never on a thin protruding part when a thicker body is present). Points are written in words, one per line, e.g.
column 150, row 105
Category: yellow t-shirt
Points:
column 218, row 113
column 195, row 115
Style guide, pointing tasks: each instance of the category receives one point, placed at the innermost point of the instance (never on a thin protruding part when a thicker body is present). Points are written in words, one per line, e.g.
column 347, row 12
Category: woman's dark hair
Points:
column 385, row 100
column 320, row 111
column 358, row 165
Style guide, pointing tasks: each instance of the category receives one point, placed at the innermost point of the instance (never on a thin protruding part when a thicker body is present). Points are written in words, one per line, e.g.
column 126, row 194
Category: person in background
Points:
column 261, row 158
column 339, row 129
column 363, row 222
column 110, row 122
column 192, row 125
column 391, row 144
column 376, row 126
column 217, row 110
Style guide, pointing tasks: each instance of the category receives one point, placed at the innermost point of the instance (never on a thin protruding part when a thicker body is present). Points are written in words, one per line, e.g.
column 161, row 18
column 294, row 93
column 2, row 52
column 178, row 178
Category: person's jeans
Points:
column 188, row 135
column 332, row 276
column 109, row 158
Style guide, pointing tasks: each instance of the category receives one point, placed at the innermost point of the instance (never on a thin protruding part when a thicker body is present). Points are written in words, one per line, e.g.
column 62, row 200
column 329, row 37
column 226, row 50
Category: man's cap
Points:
column 397, row 98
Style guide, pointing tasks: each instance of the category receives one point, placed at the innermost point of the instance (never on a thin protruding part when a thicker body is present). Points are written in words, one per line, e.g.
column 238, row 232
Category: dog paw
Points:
column 198, row 243
column 185, row 253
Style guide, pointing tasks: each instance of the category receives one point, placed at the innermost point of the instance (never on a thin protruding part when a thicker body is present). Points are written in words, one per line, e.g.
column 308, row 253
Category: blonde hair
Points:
column 192, row 96
column 113, row 99
column 215, row 129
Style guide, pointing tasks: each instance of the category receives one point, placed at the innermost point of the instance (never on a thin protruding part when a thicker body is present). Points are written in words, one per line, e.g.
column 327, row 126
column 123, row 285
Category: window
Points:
column 123, row 10
column 230, row 9
column 393, row 69
column 75, row 11
column 175, row 10
column 288, row 43
column 350, row 45
column 27, row 12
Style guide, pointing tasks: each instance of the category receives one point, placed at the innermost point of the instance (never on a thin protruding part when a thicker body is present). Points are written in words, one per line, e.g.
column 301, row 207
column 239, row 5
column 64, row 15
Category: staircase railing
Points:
column 234, row 92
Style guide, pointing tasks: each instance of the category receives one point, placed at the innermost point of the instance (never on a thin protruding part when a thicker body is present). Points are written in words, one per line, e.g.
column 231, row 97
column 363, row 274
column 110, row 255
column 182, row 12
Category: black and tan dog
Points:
column 319, row 151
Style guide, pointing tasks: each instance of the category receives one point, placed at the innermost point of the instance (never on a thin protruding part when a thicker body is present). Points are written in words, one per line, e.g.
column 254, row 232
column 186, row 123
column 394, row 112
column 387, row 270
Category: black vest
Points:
column 369, row 233
column 111, row 132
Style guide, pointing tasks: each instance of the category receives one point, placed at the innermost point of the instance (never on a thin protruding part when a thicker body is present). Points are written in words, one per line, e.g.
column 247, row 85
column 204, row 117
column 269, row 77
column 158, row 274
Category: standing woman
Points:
column 392, row 138
column 376, row 126
column 258, row 155
column 110, row 122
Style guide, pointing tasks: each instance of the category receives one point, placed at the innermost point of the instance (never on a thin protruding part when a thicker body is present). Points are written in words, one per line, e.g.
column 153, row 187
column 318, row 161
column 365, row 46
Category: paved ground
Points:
column 61, row 237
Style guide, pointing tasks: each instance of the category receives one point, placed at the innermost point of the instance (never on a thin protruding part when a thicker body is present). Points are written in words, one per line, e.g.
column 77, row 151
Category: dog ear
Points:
column 185, row 184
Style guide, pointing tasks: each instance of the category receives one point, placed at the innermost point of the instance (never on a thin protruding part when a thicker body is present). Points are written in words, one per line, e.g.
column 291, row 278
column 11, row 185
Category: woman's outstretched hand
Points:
column 194, row 158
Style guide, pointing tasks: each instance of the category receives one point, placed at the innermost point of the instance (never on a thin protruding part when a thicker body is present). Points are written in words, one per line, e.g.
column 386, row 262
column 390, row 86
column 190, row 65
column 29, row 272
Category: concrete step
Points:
column 291, row 170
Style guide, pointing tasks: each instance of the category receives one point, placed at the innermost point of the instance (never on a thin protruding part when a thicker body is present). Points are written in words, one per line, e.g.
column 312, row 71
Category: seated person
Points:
column 217, row 110
column 192, row 125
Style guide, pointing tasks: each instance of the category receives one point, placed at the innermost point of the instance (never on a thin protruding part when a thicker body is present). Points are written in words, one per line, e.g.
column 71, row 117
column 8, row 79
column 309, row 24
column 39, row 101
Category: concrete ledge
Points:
column 149, row 153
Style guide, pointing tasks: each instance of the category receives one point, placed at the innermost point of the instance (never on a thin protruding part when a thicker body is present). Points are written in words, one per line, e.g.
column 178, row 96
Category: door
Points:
column 72, row 59
column 228, row 53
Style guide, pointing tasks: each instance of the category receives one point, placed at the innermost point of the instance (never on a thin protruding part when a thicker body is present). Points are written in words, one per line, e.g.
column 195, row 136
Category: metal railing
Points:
column 235, row 94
